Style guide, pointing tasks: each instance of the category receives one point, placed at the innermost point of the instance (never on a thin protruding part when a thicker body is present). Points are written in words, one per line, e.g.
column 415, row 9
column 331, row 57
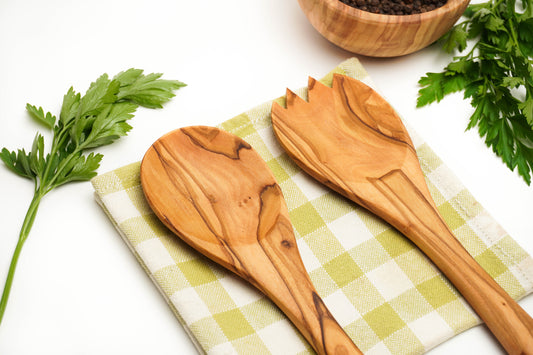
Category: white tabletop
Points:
column 78, row 289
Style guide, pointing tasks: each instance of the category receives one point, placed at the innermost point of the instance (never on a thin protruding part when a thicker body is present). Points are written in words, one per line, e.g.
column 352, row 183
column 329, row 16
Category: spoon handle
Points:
column 298, row 299
column 285, row 280
column 421, row 222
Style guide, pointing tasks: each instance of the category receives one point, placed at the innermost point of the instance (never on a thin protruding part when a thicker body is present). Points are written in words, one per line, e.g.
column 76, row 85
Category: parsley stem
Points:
column 24, row 232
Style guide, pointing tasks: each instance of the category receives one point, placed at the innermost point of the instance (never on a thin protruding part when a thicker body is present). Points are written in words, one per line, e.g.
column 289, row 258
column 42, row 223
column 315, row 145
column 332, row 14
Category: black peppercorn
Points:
column 395, row 7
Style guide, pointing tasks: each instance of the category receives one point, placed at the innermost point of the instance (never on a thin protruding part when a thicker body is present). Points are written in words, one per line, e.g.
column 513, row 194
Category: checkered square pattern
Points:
column 383, row 291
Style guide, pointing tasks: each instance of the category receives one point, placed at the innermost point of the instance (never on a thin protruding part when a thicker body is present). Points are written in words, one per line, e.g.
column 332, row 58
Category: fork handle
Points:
column 419, row 220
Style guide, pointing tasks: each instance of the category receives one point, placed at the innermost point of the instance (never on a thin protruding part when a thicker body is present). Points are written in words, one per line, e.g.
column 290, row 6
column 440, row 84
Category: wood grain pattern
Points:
column 217, row 194
column 377, row 35
column 350, row 139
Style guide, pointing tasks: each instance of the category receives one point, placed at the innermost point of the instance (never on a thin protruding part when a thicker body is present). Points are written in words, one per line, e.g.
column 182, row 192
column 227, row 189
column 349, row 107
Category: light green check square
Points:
column 257, row 115
column 428, row 160
column 351, row 68
column 143, row 228
column 136, row 195
column 260, row 147
column 457, row 316
column 323, row 282
column 362, row 334
column 491, row 263
column 323, row 244
column 179, row 250
column 208, row 333
column 373, row 224
column 369, row 255
column 384, row 320
column 451, row 216
column 510, row 283
column 129, row 175
column 282, row 101
column 306, row 219
column 215, row 297
column 404, row 341
column 294, row 197
column 328, row 78
column 470, row 240
column 106, row 184
column 437, row 291
column 332, row 206
column 467, row 204
column 233, row 324
column 171, row 279
column 416, row 266
column 262, row 313
column 239, row 125
column 245, row 131
column 363, row 295
column 411, row 305
column 343, row 270
column 251, row 344
column 435, row 193
column 514, row 254
column 277, row 169
column 394, row 242
column 288, row 164
column 197, row 272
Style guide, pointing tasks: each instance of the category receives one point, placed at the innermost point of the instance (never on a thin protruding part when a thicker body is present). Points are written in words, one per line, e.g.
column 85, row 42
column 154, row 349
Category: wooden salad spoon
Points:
column 216, row 193
column 350, row 139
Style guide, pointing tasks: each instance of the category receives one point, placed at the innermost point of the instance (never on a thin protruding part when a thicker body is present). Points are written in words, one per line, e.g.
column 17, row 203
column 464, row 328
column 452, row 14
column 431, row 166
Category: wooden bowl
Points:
column 377, row 35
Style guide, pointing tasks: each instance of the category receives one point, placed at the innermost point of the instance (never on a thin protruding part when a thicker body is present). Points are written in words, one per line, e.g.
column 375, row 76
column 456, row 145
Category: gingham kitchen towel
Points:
column 381, row 289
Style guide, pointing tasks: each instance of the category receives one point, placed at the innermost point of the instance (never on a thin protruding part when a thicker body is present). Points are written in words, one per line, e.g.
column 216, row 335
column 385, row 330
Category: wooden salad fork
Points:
column 217, row 194
column 351, row 140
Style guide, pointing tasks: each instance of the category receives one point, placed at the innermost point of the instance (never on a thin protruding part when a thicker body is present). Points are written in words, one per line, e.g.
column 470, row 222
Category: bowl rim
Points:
column 339, row 6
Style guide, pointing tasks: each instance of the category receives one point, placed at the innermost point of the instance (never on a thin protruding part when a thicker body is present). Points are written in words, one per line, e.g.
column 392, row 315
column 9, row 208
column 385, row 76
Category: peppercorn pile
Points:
column 395, row 7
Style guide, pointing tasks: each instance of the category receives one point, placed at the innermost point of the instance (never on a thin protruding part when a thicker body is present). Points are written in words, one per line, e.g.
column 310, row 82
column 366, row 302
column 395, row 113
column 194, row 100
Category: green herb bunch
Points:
column 85, row 122
column 496, row 74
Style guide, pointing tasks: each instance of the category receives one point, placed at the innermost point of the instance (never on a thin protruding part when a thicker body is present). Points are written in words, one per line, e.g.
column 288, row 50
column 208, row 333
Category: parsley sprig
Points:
column 85, row 122
column 496, row 74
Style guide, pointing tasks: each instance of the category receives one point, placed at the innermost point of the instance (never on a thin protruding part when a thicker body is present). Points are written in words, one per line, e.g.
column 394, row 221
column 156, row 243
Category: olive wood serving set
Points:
column 216, row 193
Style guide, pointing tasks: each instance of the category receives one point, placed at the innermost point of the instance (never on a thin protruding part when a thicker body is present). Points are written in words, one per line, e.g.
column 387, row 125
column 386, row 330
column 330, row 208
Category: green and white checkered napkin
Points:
column 381, row 289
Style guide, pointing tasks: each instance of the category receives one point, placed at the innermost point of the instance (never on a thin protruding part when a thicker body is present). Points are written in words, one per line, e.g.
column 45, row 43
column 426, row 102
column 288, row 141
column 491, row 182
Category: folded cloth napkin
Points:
column 382, row 290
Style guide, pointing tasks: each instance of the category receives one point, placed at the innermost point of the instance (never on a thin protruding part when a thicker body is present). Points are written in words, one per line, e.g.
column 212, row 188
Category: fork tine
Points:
column 294, row 101
column 317, row 89
column 338, row 82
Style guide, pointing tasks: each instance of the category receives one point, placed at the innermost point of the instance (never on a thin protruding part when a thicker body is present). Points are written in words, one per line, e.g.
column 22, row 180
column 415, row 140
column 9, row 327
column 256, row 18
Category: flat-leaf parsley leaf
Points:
column 496, row 75
column 85, row 122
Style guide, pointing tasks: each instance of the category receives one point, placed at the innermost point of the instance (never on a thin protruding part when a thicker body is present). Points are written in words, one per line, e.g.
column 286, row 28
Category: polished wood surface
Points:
column 377, row 35
column 218, row 195
column 350, row 139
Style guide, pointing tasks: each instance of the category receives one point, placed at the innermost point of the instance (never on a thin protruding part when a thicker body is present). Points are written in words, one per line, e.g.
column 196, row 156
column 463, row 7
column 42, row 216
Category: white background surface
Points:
column 78, row 289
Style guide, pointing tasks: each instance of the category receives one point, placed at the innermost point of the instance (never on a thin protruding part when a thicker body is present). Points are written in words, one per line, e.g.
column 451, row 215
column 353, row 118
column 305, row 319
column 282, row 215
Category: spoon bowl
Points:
column 216, row 193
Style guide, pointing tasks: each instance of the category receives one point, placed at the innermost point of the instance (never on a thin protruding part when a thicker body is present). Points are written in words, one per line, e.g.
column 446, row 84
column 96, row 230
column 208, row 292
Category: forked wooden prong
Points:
column 293, row 100
column 337, row 80
column 354, row 85
column 316, row 89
